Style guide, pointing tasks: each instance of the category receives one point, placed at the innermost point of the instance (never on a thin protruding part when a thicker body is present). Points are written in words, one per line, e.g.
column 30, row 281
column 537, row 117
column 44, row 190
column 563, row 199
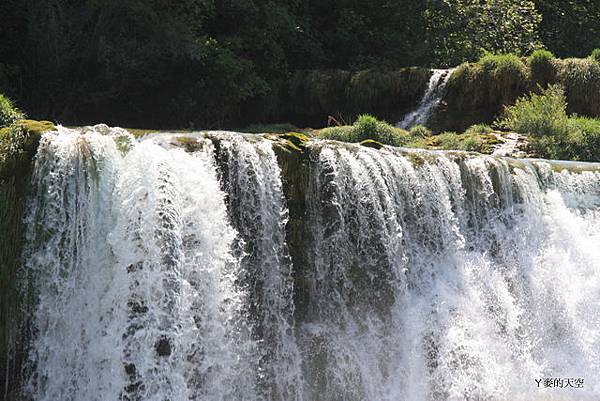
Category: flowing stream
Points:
column 162, row 269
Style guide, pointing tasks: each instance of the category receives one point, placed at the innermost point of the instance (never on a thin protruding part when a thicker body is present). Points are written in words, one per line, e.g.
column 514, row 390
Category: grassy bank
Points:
column 478, row 92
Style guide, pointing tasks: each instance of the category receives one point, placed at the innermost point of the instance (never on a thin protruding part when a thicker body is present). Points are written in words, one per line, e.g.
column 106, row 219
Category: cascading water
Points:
column 135, row 276
column 162, row 271
column 252, row 179
column 432, row 97
column 440, row 277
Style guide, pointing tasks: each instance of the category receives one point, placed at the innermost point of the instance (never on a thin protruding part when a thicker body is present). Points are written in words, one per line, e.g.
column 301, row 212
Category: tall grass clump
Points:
column 542, row 71
column 470, row 142
column 595, row 55
column 479, row 129
column 505, row 75
column 419, row 131
column 581, row 81
column 8, row 112
column 367, row 127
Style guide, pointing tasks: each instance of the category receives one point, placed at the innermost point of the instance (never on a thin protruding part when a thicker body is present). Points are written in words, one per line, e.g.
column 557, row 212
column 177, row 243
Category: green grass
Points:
column 367, row 127
column 419, row 131
column 538, row 115
column 479, row 129
column 8, row 112
column 471, row 142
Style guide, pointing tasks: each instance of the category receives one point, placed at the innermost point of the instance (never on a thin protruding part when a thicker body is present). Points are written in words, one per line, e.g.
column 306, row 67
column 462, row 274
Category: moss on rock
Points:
column 189, row 143
column 289, row 142
column 370, row 143
column 18, row 146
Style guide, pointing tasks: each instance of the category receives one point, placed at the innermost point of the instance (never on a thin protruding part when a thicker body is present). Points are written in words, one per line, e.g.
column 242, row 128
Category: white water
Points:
column 462, row 279
column 431, row 99
column 164, row 275
column 132, row 259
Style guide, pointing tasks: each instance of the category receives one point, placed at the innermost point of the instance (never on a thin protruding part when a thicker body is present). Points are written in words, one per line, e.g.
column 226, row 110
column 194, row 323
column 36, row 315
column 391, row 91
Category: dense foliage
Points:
column 551, row 131
column 216, row 63
column 367, row 127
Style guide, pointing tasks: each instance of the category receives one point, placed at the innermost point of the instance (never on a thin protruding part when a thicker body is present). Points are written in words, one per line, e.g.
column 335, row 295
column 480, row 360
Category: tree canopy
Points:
column 177, row 63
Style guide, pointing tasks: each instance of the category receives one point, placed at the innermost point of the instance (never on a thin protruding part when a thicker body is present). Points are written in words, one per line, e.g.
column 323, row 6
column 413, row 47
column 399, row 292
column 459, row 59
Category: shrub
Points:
column 8, row 112
column 367, row 127
column 595, row 55
column 479, row 129
column 581, row 81
column 583, row 141
column 453, row 141
column 541, row 68
column 538, row 114
column 419, row 131
column 505, row 74
column 553, row 134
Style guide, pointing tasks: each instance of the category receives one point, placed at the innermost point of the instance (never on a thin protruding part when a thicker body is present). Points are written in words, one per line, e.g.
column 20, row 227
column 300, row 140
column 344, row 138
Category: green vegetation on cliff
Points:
column 478, row 92
column 18, row 144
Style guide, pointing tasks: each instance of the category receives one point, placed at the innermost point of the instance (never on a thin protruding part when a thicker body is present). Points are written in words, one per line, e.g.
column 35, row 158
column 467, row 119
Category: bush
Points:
column 595, row 55
column 541, row 68
column 583, row 141
column 479, row 129
column 553, row 134
column 419, row 131
column 453, row 141
column 538, row 115
column 367, row 127
column 498, row 66
column 581, row 81
column 8, row 112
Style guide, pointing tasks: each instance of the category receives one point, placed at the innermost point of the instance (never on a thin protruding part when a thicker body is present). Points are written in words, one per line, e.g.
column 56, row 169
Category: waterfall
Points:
column 162, row 269
column 431, row 99
column 450, row 277
column 133, row 264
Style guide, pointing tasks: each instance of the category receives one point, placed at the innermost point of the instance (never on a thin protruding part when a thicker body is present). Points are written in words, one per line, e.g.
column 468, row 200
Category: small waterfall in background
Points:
column 432, row 97
column 162, row 271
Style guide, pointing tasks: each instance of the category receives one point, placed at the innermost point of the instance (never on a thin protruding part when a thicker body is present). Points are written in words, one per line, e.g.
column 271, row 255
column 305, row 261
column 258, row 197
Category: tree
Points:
column 461, row 30
column 570, row 28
